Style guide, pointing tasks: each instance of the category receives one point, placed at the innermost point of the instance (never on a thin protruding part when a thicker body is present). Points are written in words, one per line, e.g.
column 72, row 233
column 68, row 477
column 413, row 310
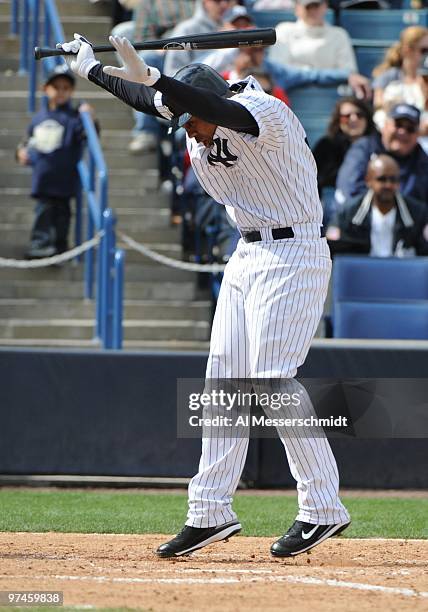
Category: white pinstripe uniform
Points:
column 271, row 297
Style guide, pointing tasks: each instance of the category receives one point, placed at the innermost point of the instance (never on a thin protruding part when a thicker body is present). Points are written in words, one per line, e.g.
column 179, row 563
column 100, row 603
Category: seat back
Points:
column 313, row 106
column 378, row 278
column 382, row 25
column 369, row 53
column 386, row 320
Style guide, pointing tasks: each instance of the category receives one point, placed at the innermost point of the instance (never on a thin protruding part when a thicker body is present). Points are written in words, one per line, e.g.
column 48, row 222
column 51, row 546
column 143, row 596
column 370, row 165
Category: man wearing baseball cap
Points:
column 399, row 139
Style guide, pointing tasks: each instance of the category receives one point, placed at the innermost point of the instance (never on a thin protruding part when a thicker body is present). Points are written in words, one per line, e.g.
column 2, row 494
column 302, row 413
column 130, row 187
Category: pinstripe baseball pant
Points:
column 270, row 303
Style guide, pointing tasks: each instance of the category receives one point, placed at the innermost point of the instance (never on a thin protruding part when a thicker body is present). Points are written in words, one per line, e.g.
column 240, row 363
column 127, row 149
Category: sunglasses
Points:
column 410, row 128
column 423, row 50
column 387, row 179
column 347, row 116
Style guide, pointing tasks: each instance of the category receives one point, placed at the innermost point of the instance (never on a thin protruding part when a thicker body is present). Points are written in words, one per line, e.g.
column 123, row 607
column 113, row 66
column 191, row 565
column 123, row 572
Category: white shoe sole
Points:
column 218, row 537
column 328, row 534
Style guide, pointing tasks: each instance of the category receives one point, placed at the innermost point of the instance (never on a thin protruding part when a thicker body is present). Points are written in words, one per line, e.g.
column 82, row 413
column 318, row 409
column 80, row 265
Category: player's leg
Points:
column 224, row 449
column 284, row 305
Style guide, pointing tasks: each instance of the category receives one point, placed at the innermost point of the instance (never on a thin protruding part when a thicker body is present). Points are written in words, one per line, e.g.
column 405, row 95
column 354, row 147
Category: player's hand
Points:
column 84, row 58
column 361, row 86
column 134, row 67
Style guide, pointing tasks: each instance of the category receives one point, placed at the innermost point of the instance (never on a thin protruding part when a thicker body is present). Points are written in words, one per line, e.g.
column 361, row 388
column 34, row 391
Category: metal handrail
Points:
column 93, row 175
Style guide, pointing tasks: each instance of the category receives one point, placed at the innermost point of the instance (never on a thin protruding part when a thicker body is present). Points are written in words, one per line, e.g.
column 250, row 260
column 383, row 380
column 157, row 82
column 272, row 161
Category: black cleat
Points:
column 192, row 538
column 301, row 537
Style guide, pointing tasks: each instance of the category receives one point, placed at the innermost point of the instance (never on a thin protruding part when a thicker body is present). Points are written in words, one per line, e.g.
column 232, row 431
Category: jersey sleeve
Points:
column 270, row 114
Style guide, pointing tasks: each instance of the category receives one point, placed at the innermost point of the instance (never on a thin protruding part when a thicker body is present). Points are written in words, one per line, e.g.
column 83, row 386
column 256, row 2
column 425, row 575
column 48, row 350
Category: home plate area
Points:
column 109, row 570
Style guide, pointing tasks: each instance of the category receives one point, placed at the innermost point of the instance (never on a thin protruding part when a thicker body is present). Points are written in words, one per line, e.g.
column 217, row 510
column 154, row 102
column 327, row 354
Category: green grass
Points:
column 137, row 512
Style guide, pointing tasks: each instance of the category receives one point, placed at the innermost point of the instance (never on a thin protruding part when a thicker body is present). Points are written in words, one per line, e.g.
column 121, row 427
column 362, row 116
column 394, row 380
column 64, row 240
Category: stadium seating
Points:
column 369, row 53
column 269, row 19
column 380, row 25
column 380, row 297
column 313, row 106
column 387, row 320
column 373, row 278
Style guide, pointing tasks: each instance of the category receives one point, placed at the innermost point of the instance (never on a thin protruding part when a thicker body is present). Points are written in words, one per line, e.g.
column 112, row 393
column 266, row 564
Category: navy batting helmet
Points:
column 199, row 75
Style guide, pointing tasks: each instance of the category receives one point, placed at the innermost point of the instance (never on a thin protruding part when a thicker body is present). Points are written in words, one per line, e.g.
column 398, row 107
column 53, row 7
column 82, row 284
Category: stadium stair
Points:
column 45, row 307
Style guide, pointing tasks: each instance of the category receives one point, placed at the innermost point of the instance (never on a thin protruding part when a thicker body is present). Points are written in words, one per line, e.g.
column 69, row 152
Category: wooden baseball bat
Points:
column 229, row 39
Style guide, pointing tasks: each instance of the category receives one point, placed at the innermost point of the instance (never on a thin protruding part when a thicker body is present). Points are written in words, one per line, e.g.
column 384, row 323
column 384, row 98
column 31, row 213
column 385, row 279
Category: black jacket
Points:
column 355, row 226
column 329, row 154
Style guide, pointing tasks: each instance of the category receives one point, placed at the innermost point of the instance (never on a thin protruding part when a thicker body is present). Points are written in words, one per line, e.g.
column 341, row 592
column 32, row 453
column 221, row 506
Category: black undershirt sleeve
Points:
column 136, row 95
column 179, row 98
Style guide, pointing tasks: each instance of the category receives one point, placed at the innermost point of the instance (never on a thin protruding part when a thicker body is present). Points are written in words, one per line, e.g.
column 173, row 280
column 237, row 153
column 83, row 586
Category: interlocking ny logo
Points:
column 222, row 154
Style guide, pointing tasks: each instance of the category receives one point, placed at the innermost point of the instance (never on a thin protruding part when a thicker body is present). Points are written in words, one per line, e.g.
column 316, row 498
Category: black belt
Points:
column 278, row 233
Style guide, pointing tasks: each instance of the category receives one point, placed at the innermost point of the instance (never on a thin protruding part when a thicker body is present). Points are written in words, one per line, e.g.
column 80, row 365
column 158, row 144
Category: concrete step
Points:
column 109, row 120
column 76, row 329
column 9, row 45
column 9, row 61
column 97, row 28
column 128, row 345
column 112, row 141
column 69, row 7
column 84, row 309
column 127, row 218
column 100, row 100
column 48, row 290
column 12, row 80
column 137, row 199
column 140, row 272
column 139, row 180
column 119, row 160
column 173, row 250
column 13, row 234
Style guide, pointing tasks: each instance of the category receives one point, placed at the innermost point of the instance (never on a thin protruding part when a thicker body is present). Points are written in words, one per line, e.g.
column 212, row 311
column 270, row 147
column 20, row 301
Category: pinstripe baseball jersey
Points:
column 269, row 180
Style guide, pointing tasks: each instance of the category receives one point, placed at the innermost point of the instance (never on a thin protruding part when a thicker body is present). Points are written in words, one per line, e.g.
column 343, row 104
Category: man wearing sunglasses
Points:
column 381, row 222
column 399, row 139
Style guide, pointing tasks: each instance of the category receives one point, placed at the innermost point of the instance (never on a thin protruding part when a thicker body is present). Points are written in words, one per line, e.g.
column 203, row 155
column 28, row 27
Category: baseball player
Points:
column 250, row 153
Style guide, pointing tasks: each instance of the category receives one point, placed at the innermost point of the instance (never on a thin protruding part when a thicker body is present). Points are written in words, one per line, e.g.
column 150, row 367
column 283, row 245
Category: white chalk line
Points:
column 243, row 579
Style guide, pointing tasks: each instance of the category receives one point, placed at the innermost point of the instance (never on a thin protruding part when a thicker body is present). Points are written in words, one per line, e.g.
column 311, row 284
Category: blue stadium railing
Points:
column 26, row 18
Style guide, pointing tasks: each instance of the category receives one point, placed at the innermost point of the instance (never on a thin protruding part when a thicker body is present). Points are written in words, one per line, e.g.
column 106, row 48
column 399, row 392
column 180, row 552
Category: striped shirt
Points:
column 269, row 180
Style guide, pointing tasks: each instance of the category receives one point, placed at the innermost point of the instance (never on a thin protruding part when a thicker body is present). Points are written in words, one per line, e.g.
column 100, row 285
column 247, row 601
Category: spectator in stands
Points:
column 151, row 19
column 273, row 5
column 53, row 149
column 351, row 119
column 381, row 222
column 398, row 138
column 286, row 77
column 398, row 73
column 208, row 17
column 311, row 42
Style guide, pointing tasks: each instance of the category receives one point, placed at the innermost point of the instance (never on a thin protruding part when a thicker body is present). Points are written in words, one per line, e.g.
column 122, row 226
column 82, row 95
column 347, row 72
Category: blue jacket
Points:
column 350, row 179
column 290, row 77
column 54, row 148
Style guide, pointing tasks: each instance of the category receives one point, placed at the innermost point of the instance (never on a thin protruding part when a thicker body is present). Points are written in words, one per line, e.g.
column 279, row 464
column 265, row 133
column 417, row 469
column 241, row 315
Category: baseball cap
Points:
column 61, row 70
column 237, row 12
column 405, row 111
column 308, row 2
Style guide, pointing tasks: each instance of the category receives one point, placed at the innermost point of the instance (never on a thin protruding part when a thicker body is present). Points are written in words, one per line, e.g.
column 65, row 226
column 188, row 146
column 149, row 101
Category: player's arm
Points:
column 135, row 83
column 139, row 97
